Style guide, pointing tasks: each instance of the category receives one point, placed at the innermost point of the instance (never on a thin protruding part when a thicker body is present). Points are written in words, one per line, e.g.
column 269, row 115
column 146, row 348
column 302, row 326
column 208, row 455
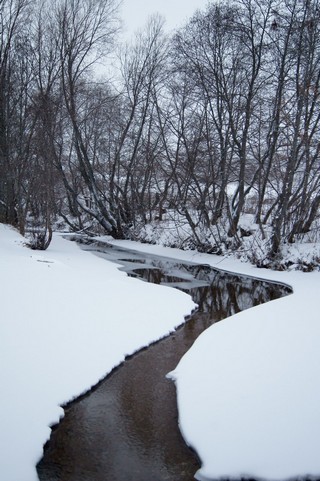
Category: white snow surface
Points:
column 67, row 318
column 248, row 389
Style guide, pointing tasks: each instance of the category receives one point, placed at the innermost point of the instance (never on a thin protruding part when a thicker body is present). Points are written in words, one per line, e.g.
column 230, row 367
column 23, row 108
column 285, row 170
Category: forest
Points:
column 212, row 132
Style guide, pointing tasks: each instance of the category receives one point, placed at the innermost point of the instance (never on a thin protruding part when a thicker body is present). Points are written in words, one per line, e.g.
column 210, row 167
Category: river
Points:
column 126, row 427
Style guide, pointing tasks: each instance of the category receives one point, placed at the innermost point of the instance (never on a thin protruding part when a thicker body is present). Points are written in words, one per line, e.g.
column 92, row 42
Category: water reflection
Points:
column 126, row 429
column 216, row 293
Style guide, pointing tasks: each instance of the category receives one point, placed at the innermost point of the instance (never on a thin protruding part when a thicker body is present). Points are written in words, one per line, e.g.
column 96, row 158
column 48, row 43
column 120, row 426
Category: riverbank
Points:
column 67, row 318
column 249, row 389
column 254, row 381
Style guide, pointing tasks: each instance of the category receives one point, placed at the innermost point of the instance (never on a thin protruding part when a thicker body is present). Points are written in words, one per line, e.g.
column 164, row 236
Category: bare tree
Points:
column 298, row 199
column 84, row 30
column 11, row 14
column 143, row 72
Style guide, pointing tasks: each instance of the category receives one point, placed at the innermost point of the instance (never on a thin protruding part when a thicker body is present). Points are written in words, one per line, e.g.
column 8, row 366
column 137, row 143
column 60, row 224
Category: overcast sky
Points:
column 135, row 13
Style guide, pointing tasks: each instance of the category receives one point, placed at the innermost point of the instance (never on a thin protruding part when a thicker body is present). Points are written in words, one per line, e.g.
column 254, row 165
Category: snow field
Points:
column 249, row 388
column 67, row 318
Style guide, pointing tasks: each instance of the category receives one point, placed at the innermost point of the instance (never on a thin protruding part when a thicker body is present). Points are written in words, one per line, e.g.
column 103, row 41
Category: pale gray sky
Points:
column 135, row 13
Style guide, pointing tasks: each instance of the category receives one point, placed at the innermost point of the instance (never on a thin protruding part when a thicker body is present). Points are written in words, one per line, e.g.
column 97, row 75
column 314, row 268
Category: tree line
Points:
column 219, row 120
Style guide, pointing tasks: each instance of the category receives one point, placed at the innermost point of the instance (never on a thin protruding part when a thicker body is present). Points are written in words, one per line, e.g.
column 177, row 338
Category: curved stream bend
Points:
column 126, row 429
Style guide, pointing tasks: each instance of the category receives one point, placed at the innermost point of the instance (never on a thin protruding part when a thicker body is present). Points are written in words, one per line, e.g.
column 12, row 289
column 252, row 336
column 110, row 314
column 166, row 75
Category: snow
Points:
column 248, row 389
column 258, row 388
column 67, row 318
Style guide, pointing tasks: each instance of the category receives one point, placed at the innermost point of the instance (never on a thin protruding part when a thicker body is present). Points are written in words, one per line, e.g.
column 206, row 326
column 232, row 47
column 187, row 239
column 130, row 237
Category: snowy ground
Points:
column 67, row 318
column 254, row 378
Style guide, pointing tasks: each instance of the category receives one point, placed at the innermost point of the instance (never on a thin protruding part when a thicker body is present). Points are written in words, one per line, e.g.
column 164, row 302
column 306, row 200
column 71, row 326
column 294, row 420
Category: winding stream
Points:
column 126, row 429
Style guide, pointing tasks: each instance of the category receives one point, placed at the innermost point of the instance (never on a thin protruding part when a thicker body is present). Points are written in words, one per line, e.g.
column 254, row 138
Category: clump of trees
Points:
column 216, row 122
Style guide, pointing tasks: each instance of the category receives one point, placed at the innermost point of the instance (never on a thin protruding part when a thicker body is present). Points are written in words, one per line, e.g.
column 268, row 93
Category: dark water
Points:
column 126, row 429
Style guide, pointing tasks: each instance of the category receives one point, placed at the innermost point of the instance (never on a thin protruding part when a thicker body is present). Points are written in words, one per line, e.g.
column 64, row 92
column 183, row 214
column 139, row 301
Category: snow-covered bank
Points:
column 249, row 388
column 67, row 318
column 257, row 391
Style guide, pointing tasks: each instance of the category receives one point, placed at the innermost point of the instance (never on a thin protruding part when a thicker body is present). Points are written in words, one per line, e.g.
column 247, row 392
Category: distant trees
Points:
column 248, row 74
column 47, row 51
column 297, row 158
column 219, row 121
